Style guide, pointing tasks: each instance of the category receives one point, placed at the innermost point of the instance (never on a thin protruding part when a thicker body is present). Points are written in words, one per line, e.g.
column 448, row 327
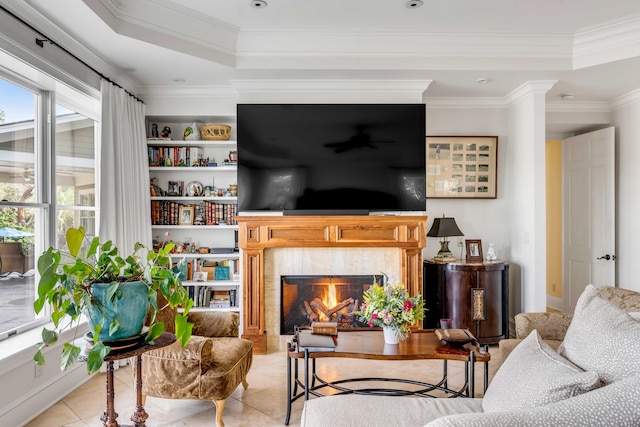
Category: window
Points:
column 33, row 199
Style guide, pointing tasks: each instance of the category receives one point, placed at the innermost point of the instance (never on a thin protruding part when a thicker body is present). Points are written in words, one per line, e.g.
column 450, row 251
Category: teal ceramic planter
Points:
column 130, row 310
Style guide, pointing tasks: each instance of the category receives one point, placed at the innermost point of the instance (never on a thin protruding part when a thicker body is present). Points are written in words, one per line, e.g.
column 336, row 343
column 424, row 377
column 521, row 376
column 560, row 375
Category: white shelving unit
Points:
column 216, row 177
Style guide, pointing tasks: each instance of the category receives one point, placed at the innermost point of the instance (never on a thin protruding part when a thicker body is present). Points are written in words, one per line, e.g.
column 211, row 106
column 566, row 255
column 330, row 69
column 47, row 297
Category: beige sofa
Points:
column 592, row 380
column 553, row 326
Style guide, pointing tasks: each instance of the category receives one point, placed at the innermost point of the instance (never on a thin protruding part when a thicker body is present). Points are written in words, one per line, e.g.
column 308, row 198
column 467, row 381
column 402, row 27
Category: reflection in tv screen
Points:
column 331, row 158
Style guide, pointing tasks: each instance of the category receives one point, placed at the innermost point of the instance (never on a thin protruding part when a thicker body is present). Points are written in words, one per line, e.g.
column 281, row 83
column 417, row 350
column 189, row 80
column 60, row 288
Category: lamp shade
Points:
column 444, row 227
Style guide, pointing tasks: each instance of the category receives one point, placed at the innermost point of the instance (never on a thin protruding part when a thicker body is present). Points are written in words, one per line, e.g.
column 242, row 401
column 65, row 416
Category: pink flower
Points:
column 407, row 305
column 374, row 316
column 370, row 323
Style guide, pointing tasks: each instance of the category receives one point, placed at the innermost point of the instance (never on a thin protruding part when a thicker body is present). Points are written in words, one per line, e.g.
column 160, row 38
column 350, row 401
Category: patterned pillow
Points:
column 602, row 338
column 535, row 375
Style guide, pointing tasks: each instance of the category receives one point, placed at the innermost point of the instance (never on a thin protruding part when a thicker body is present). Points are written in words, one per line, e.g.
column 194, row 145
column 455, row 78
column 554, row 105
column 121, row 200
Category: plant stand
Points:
column 139, row 417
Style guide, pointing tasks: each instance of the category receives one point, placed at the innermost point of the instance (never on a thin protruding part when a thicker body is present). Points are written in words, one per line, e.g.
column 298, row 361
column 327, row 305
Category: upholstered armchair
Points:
column 210, row 367
column 552, row 327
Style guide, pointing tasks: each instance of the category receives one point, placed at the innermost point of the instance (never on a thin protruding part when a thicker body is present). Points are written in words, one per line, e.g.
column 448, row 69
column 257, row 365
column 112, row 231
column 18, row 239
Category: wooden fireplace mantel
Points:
column 257, row 233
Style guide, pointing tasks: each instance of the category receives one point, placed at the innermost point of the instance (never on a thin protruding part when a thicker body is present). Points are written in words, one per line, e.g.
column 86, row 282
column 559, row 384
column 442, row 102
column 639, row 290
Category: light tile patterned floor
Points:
column 262, row 404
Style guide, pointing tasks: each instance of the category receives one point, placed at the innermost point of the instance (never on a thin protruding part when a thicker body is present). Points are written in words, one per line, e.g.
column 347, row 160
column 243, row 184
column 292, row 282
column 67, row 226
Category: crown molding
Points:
column 166, row 24
column 377, row 49
column 454, row 103
column 535, row 87
column 578, row 107
column 329, row 85
column 625, row 100
column 607, row 42
column 149, row 92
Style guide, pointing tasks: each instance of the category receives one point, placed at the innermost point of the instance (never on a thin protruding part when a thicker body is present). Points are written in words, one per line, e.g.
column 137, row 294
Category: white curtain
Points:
column 125, row 212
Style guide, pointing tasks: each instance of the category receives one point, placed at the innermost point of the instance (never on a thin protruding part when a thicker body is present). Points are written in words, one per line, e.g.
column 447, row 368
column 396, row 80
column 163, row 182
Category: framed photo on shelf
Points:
column 474, row 250
column 185, row 215
column 462, row 167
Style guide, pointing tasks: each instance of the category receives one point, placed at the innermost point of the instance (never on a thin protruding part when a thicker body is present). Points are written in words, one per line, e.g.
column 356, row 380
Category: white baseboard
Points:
column 555, row 303
column 35, row 404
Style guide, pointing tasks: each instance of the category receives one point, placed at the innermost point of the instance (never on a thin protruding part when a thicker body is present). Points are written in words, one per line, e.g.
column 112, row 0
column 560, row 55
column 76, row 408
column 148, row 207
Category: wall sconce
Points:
column 443, row 228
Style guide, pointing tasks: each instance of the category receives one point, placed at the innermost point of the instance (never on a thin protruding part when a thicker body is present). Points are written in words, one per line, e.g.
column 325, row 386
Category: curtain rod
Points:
column 40, row 42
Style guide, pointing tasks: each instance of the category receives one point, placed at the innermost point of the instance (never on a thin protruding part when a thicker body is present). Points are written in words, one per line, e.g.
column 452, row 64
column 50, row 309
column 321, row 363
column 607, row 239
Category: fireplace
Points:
column 276, row 246
column 306, row 299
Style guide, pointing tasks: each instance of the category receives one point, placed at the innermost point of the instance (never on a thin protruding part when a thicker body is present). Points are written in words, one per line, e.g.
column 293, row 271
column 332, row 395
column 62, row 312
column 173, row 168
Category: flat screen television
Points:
column 324, row 159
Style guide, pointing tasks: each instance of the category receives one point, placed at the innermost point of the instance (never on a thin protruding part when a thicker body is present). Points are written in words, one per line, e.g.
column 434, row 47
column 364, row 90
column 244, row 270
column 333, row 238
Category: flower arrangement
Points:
column 391, row 306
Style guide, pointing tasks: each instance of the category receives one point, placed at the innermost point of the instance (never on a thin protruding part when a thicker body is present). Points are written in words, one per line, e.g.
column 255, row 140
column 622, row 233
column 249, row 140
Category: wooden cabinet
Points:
column 473, row 295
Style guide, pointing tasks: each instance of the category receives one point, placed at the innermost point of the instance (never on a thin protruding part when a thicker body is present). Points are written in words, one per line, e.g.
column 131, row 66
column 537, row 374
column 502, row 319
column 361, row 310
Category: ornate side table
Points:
column 140, row 416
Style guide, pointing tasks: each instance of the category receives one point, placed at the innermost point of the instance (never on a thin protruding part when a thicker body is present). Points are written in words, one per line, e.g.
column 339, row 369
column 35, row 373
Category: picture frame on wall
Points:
column 462, row 167
column 474, row 250
column 185, row 215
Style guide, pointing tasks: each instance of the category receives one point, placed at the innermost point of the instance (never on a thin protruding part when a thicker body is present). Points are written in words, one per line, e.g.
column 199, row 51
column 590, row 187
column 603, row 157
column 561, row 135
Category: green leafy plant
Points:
column 390, row 305
column 66, row 277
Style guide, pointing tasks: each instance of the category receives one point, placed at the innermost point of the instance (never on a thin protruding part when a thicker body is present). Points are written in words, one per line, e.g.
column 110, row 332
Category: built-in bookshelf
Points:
column 193, row 188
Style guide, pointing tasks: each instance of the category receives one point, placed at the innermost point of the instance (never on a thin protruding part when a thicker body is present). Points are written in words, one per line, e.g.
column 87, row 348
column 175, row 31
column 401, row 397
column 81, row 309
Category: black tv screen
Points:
column 331, row 158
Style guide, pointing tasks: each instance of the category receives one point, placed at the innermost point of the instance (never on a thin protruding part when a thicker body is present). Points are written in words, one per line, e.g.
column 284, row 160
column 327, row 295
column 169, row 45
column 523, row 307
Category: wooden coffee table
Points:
column 369, row 344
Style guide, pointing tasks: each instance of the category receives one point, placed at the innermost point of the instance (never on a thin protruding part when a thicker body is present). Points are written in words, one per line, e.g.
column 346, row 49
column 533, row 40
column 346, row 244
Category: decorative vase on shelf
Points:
column 390, row 335
column 491, row 253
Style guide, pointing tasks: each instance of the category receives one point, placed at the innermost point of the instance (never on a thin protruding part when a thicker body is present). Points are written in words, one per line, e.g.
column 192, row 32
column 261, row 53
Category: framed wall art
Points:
column 462, row 167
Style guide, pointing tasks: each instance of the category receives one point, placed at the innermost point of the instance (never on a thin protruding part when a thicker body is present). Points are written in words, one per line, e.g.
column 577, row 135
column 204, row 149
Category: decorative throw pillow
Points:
column 602, row 338
column 535, row 375
column 635, row 315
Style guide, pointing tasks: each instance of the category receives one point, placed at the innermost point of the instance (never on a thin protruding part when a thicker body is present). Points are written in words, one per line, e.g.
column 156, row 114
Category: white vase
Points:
column 390, row 335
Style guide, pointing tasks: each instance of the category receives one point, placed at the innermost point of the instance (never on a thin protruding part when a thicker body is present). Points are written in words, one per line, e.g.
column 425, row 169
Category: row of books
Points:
column 217, row 213
column 190, row 267
column 166, row 212
column 214, row 298
column 175, row 156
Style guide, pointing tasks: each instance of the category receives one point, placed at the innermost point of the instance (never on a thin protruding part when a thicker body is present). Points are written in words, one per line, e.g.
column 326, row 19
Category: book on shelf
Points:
column 324, row 328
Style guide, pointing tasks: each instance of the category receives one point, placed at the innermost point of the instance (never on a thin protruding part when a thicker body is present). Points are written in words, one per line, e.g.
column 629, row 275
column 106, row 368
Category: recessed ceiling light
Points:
column 413, row 4
column 482, row 80
column 258, row 4
column 179, row 80
column 566, row 96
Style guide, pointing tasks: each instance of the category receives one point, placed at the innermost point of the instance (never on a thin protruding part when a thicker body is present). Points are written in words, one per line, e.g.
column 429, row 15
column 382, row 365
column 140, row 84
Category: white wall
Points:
column 482, row 219
column 626, row 119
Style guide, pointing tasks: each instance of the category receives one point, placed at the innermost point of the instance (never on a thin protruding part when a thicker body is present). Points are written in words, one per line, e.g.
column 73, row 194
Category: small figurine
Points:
column 155, row 188
column 154, row 130
column 166, row 131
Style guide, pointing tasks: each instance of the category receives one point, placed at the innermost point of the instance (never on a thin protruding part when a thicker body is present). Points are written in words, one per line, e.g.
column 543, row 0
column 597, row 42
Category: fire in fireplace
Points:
column 307, row 299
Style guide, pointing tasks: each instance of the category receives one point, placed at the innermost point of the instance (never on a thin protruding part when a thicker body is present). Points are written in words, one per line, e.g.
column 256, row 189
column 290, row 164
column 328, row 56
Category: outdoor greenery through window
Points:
column 46, row 183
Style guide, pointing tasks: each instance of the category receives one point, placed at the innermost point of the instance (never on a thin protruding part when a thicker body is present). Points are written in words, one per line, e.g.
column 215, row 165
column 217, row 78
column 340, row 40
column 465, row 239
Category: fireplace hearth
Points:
column 306, row 299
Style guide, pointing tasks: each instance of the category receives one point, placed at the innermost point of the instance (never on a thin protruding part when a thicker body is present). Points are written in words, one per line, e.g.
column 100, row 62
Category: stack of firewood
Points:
column 342, row 313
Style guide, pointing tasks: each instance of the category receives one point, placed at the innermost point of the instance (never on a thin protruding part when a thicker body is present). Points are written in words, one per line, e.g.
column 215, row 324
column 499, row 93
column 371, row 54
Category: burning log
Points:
column 311, row 315
column 340, row 306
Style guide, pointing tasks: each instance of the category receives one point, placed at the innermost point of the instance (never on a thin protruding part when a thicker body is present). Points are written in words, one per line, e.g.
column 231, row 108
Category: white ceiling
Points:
column 591, row 47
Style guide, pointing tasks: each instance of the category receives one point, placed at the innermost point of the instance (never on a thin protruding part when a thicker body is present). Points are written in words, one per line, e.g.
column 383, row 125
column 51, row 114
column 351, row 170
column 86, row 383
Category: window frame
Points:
column 45, row 203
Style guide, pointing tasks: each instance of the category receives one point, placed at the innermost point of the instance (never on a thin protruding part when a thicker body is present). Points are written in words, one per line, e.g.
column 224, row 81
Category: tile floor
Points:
column 262, row 404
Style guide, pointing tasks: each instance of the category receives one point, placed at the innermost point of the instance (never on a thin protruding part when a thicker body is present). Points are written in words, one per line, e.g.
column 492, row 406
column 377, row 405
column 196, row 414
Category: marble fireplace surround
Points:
column 273, row 246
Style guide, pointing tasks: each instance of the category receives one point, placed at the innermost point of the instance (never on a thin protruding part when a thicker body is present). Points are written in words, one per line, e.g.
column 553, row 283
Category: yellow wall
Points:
column 554, row 217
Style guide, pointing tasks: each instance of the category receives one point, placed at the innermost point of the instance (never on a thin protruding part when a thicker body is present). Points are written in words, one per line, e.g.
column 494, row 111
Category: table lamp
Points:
column 443, row 228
